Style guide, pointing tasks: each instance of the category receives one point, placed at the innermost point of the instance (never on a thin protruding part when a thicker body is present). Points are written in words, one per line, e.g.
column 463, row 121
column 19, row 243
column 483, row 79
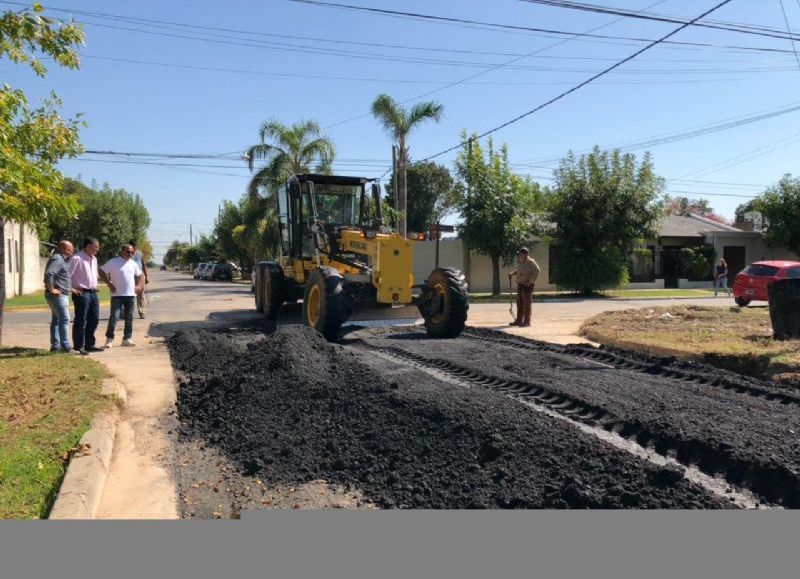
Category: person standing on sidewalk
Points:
column 125, row 280
column 83, row 272
column 721, row 277
column 141, row 298
column 527, row 271
column 57, row 286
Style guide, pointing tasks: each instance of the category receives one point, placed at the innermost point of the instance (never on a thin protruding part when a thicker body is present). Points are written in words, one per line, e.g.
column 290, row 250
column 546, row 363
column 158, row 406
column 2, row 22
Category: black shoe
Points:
column 514, row 324
column 81, row 351
column 94, row 349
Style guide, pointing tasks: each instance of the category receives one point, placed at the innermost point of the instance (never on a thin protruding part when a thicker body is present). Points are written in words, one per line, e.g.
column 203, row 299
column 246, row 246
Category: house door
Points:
column 670, row 265
column 734, row 257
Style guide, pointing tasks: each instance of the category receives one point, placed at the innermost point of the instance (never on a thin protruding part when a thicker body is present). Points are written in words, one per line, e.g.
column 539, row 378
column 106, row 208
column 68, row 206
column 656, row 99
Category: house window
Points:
column 16, row 256
column 9, row 257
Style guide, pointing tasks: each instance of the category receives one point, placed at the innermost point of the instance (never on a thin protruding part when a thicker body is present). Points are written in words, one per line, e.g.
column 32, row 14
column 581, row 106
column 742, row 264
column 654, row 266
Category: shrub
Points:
column 587, row 271
column 697, row 262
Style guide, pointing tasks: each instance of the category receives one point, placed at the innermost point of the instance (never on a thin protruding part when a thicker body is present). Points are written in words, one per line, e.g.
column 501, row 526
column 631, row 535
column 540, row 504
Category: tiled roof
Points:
column 690, row 225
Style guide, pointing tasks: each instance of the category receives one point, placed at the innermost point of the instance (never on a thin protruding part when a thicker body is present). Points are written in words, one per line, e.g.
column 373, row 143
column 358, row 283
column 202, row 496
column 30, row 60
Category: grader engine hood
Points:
column 392, row 260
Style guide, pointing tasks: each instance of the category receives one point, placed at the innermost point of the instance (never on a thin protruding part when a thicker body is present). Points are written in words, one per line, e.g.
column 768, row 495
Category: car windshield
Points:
column 759, row 270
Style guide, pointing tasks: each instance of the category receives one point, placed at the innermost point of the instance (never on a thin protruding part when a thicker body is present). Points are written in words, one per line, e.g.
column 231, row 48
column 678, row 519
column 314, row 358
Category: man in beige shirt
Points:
column 527, row 271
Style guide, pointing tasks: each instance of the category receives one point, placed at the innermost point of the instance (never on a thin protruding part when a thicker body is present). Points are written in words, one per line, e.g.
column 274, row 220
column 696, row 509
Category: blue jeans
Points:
column 87, row 316
column 722, row 282
column 59, row 321
column 124, row 305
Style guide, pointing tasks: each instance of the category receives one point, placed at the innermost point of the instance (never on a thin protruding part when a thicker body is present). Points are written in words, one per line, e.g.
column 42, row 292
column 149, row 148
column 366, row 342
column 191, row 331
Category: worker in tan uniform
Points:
column 527, row 271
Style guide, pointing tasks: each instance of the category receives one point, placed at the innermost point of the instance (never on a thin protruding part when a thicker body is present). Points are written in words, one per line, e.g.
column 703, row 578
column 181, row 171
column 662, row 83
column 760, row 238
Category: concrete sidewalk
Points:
column 140, row 482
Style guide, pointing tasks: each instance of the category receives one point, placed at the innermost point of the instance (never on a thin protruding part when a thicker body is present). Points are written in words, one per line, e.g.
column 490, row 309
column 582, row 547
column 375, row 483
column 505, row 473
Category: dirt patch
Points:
column 736, row 339
column 291, row 409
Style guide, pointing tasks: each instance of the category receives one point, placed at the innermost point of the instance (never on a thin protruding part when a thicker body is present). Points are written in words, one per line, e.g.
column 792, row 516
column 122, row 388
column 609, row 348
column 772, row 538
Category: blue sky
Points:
column 199, row 89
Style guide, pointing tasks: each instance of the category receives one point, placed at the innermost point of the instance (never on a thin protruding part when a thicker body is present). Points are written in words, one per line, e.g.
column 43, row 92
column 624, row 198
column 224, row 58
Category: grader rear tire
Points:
column 449, row 301
column 258, row 282
column 323, row 303
column 273, row 296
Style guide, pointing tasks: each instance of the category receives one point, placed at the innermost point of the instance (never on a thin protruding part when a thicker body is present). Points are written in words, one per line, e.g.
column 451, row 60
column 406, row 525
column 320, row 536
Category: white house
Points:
column 23, row 266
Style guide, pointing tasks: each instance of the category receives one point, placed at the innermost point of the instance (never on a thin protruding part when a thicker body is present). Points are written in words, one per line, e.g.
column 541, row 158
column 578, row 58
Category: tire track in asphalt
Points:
column 590, row 419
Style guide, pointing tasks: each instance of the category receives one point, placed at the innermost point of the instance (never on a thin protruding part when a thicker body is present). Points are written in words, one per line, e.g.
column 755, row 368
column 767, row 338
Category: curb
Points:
column 82, row 487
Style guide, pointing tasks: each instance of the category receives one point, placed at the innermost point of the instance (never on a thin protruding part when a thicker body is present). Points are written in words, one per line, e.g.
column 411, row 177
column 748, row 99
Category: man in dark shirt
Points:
column 58, row 287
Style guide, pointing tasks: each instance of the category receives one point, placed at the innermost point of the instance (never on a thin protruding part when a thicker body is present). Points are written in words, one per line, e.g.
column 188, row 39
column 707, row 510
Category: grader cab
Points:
column 339, row 257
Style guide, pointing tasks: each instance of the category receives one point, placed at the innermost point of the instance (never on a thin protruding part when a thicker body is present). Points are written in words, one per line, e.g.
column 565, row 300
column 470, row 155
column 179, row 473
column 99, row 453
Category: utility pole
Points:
column 394, row 182
column 190, row 235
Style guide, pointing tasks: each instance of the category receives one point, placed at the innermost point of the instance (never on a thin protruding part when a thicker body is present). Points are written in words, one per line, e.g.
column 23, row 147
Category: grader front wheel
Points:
column 323, row 303
column 444, row 303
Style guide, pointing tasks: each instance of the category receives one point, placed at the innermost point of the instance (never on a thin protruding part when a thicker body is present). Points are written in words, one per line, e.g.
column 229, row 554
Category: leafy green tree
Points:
column 399, row 123
column 230, row 217
column 499, row 208
column 113, row 216
column 173, row 254
column 286, row 151
column 32, row 141
column 780, row 207
column 685, row 206
column 603, row 205
column 432, row 193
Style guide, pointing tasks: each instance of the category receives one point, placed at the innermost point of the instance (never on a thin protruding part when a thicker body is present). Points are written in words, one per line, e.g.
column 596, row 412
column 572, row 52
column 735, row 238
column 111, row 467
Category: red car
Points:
column 751, row 283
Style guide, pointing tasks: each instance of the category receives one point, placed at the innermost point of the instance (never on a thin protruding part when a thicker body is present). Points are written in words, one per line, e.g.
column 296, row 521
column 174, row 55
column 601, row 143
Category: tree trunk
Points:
column 2, row 273
column 401, row 185
column 495, row 275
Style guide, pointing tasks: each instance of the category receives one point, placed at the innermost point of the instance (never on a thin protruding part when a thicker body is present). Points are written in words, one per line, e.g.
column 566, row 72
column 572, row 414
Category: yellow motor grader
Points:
column 339, row 257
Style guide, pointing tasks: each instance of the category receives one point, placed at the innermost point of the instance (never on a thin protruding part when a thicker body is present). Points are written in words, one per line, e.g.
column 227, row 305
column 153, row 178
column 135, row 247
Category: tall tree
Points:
column 780, row 206
column 685, row 206
column 399, row 123
column 173, row 255
column 286, row 151
column 228, row 219
column 603, row 205
column 32, row 141
column 499, row 208
column 432, row 193
column 113, row 216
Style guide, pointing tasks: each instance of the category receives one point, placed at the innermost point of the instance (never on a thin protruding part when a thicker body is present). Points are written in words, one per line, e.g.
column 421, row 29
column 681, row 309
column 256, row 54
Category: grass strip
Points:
column 738, row 339
column 36, row 300
column 47, row 402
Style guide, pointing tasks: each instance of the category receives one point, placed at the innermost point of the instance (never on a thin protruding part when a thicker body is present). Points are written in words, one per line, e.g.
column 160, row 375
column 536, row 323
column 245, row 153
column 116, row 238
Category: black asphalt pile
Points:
column 292, row 408
column 742, row 428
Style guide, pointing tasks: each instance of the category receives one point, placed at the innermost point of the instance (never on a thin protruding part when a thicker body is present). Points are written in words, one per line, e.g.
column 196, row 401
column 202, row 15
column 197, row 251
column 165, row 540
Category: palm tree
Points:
column 288, row 151
column 399, row 122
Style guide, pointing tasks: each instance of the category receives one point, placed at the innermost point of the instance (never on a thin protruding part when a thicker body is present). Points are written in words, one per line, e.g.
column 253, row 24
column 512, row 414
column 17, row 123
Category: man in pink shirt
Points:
column 83, row 272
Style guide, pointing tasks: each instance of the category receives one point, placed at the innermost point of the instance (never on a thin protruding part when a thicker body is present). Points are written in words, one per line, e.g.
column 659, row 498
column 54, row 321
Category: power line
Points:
column 786, row 20
column 692, row 133
column 471, row 77
column 578, row 86
column 419, row 16
column 748, row 29
column 448, row 84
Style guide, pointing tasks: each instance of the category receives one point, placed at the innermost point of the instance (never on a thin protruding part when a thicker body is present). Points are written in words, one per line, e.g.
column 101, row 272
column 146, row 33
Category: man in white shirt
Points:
column 125, row 280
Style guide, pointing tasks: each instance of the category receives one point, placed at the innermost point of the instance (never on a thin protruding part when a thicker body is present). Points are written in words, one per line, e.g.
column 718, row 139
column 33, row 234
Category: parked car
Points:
column 199, row 270
column 206, row 273
column 163, row 268
column 221, row 272
column 751, row 283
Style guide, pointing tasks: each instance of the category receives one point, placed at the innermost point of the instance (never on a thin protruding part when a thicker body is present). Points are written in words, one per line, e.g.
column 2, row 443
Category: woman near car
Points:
column 721, row 277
